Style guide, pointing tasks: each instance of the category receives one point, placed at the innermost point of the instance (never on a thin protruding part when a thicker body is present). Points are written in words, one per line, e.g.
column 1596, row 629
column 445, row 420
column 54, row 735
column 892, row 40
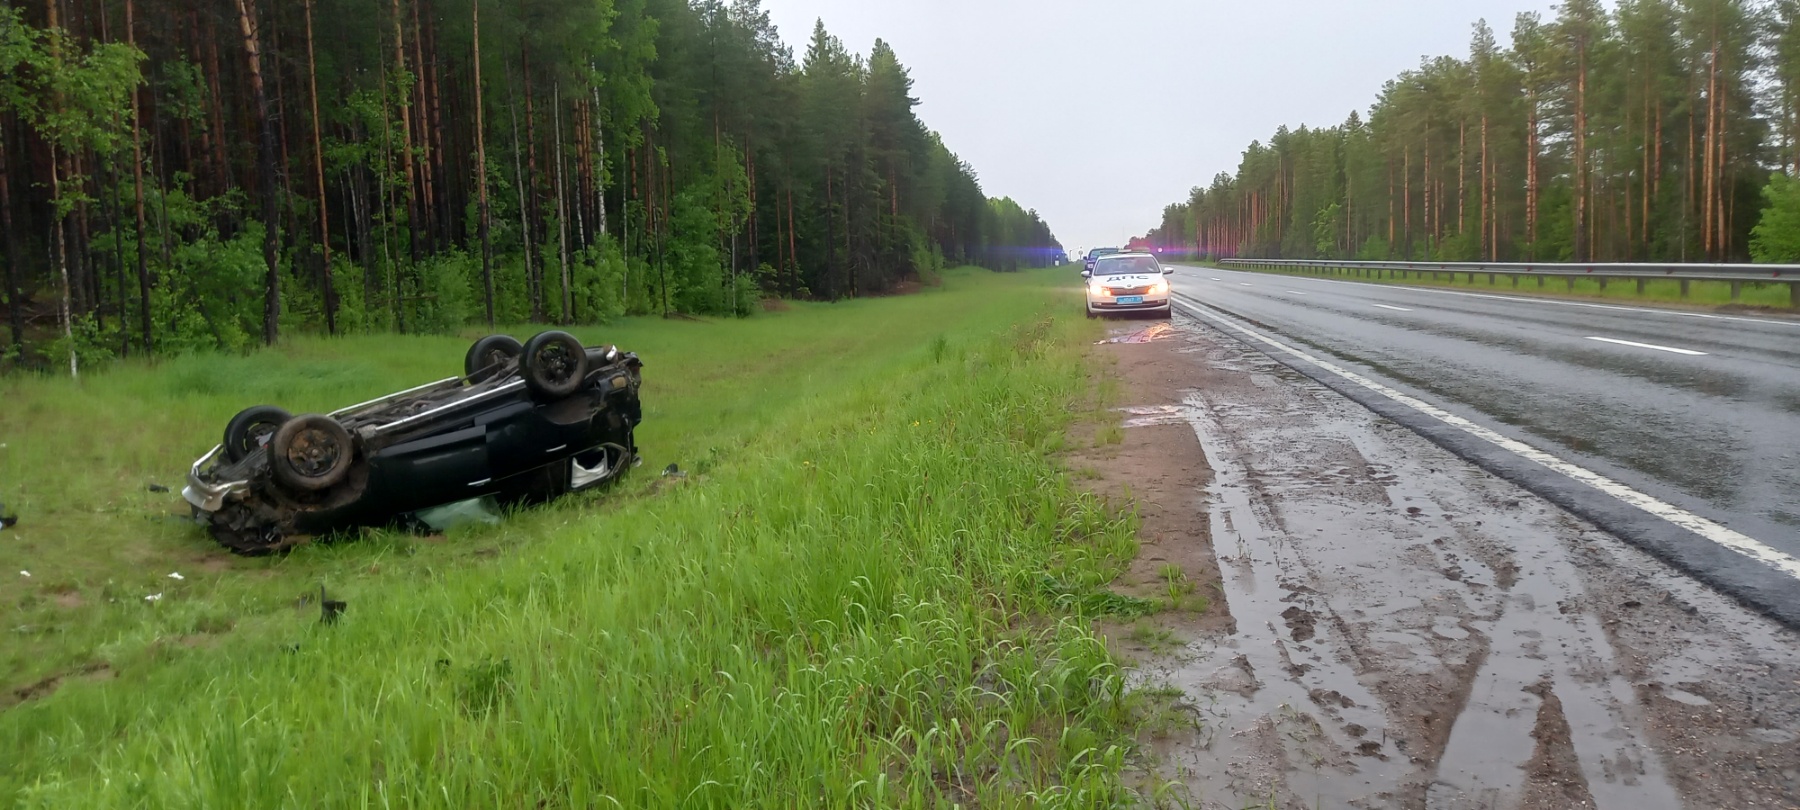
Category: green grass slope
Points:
column 868, row 591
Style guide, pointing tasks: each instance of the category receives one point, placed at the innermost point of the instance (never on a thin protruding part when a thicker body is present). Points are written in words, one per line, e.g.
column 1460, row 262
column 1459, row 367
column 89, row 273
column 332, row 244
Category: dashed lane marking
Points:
column 1635, row 344
column 1394, row 308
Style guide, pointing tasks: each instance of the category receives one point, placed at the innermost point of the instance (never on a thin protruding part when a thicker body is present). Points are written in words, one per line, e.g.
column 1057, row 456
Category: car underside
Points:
column 524, row 424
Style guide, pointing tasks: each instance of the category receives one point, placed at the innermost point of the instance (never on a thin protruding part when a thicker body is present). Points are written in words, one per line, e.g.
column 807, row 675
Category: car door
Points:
column 525, row 435
column 432, row 470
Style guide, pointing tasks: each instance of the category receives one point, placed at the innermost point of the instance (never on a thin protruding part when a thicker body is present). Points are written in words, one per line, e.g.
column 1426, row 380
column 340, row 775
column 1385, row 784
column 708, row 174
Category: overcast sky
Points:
column 1018, row 87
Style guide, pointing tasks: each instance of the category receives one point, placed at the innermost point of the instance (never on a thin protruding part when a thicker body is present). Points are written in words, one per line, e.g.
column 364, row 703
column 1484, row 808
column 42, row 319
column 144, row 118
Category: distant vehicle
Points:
column 1127, row 282
column 526, row 423
column 1097, row 253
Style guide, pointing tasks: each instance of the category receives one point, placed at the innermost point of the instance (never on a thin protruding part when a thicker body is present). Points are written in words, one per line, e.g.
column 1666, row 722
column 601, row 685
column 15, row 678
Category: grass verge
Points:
column 1772, row 296
column 873, row 588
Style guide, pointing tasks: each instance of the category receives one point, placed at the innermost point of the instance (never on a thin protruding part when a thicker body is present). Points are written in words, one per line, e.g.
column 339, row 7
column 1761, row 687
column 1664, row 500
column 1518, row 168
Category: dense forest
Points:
column 188, row 174
column 1661, row 130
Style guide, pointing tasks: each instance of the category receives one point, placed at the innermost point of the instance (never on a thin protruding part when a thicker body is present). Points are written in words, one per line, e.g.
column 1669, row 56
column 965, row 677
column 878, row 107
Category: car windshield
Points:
column 1126, row 265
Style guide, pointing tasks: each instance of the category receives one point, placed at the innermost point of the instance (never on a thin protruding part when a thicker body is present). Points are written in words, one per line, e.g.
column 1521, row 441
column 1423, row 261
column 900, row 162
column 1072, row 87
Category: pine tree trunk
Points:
column 1406, row 201
column 1488, row 248
column 793, row 256
column 265, row 167
column 1531, row 175
column 15, row 310
column 1689, row 187
column 1431, row 225
column 535, row 281
column 487, row 250
column 389, row 206
column 1707, row 192
column 410, row 194
column 1462, row 195
column 1582, row 247
column 312, row 79
column 562, row 210
column 830, row 273
column 59, row 248
column 1644, row 182
column 524, row 204
column 425, row 204
column 599, row 170
column 137, row 174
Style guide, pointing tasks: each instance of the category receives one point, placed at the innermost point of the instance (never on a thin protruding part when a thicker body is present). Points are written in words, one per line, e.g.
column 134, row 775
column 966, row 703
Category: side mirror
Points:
column 1087, row 274
column 1168, row 270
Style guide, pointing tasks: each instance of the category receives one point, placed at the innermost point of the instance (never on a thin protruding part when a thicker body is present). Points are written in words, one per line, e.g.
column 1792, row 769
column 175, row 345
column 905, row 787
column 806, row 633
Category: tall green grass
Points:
column 869, row 591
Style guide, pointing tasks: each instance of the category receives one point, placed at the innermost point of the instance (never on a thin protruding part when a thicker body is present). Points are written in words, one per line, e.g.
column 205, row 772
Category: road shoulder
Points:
column 1393, row 626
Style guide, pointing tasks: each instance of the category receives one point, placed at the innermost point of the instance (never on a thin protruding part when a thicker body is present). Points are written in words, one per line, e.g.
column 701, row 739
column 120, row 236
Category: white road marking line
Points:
column 1243, row 284
column 1296, row 292
column 1735, row 541
column 1688, row 352
column 1217, row 279
column 1396, row 309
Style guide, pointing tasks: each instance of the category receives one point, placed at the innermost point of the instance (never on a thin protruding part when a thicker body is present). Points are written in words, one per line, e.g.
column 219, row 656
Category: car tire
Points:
column 554, row 365
column 311, row 453
column 488, row 354
column 251, row 430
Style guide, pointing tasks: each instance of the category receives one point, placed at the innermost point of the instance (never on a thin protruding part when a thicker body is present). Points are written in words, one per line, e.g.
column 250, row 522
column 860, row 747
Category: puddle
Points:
column 1683, row 696
column 1775, row 736
column 1145, row 335
column 1153, row 415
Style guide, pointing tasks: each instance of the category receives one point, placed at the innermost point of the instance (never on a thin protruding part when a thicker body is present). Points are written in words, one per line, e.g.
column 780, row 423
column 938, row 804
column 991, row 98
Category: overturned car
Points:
column 525, row 423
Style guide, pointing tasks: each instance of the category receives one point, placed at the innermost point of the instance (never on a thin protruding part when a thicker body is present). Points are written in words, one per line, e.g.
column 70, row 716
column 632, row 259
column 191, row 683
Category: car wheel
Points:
column 488, row 355
column 311, row 453
column 554, row 365
column 251, row 430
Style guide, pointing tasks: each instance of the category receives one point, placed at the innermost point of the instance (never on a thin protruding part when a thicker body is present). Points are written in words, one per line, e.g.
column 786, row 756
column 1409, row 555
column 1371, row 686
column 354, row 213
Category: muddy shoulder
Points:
column 1138, row 453
column 1393, row 627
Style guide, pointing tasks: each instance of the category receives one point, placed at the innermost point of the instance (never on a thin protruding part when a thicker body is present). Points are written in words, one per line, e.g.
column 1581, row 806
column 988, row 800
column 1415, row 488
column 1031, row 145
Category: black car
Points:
column 526, row 423
column 1095, row 254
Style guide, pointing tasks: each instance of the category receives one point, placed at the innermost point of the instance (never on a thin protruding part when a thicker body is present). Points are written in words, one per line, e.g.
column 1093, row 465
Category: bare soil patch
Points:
column 1141, row 455
column 48, row 686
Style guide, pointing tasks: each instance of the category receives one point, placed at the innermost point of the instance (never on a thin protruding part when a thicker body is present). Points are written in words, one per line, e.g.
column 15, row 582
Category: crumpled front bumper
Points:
column 205, row 496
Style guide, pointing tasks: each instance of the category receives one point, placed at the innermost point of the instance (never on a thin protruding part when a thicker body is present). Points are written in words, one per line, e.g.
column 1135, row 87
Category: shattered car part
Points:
column 462, row 513
column 524, row 424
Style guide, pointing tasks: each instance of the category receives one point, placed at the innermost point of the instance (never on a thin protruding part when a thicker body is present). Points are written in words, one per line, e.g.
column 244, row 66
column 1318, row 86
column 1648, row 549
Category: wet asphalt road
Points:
column 1700, row 411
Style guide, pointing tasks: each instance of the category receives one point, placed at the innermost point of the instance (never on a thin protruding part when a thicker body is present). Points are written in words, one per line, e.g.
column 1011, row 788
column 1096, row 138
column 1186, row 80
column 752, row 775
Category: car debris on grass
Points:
column 525, row 423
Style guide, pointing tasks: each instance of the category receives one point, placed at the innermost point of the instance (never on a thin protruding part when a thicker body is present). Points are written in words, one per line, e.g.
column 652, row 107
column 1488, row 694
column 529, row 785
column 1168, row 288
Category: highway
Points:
column 1696, row 414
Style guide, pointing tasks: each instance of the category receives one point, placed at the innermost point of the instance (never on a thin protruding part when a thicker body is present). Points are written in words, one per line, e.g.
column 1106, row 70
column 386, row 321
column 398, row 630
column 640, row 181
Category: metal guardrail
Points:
column 1737, row 275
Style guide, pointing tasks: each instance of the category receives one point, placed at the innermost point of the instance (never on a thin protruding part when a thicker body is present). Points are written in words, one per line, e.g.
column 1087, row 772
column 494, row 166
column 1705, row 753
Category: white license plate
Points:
column 1131, row 299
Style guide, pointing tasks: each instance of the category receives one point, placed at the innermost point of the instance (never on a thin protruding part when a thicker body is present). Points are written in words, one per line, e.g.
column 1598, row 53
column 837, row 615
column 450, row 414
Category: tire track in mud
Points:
column 1402, row 635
